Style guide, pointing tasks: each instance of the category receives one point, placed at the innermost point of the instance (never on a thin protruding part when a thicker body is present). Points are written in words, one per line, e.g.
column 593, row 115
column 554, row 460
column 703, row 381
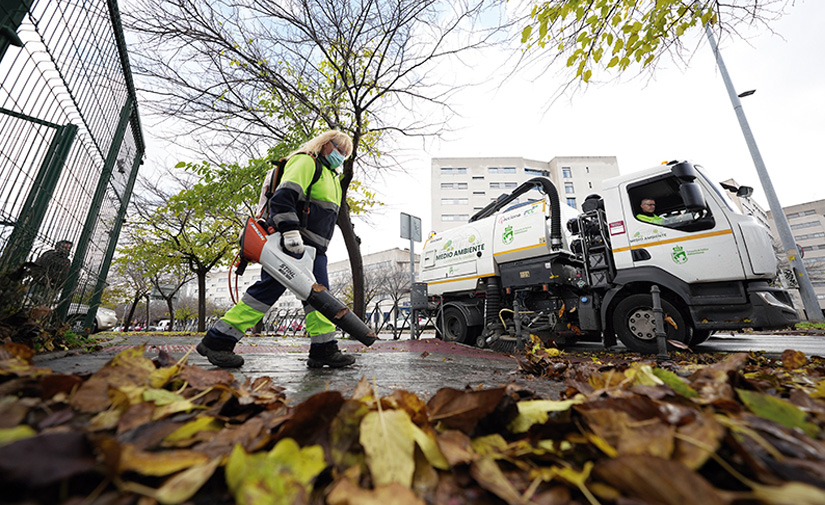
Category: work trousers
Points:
column 257, row 301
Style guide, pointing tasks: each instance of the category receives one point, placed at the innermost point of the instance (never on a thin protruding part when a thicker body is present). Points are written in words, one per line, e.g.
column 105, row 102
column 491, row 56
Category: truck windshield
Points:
column 723, row 195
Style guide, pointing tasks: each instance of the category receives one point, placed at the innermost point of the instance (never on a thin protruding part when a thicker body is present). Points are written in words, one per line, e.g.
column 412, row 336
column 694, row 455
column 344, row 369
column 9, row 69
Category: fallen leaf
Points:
column 46, row 458
column 346, row 493
column 487, row 473
column 778, row 410
column 456, row 447
column 532, row 412
column 463, row 410
column 160, row 463
column 9, row 435
column 657, row 480
column 792, row 360
column 388, row 443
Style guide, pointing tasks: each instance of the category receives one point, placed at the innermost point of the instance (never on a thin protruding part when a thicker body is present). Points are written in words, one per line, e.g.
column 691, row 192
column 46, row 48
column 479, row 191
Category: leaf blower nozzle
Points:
column 296, row 275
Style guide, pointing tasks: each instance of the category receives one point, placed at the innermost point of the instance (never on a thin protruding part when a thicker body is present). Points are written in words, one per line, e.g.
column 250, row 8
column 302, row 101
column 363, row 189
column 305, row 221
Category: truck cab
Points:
column 714, row 263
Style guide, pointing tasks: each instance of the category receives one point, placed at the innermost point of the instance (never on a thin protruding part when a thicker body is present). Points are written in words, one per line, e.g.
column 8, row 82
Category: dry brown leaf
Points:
column 792, row 360
column 657, row 480
column 462, row 410
column 456, row 447
column 346, row 493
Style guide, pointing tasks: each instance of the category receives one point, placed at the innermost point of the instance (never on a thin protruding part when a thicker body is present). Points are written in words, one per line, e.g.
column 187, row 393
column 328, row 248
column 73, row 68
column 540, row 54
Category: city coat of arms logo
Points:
column 679, row 255
column 507, row 237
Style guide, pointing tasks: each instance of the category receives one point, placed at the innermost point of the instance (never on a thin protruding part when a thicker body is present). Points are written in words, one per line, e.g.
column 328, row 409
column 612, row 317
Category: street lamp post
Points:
column 806, row 289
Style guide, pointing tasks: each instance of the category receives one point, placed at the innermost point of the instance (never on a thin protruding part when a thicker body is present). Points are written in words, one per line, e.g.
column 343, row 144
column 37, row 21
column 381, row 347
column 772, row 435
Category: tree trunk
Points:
column 356, row 261
column 127, row 322
column 201, row 300
column 171, row 312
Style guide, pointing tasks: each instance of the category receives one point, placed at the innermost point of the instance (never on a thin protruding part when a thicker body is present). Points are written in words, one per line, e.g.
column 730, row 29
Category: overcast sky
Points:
column 679, row 114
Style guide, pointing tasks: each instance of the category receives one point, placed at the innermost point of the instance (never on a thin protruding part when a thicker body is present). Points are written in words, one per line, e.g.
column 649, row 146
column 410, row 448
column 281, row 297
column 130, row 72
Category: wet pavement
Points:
column 420, row 366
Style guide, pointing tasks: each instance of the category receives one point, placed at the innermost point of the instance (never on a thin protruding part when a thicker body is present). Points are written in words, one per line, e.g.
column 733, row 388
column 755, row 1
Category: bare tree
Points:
column 240, row 76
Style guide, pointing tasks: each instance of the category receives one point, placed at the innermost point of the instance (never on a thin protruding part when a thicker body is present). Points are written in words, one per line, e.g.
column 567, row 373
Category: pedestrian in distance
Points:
column 290, row 199
column 49, row 273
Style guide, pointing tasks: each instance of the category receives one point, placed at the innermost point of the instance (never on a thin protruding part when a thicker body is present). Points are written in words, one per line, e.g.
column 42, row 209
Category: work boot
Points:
column 224, row 358
column 328, row 354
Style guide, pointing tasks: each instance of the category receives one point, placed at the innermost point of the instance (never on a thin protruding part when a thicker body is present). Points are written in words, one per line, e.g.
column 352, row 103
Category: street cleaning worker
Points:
column 648, row 212
column 287, row 203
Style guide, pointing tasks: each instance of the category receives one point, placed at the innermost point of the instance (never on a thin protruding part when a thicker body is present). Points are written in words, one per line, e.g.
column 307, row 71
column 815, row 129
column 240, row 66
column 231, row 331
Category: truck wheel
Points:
column 454, row 326
column 634, row 324
column 699, row 336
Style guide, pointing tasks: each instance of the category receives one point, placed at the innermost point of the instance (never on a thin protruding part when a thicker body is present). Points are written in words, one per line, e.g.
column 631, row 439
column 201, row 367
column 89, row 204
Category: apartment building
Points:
column 807, row 222
column 463, row 186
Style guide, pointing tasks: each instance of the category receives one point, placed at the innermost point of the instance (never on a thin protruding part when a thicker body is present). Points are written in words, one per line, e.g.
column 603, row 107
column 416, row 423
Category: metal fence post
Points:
column 114, row 235
column 94, row 209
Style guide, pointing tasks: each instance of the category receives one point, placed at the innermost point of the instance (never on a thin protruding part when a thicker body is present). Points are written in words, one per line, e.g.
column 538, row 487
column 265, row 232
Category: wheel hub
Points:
column 641, row 324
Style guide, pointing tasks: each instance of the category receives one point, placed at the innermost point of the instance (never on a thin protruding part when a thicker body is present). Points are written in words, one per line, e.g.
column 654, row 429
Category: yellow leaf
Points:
column 790, row 493
column 388, row 443
column 490, row 445
column 192, row 428
column 160, row 377
column 159, row 463
column 535, row 412
column 305, row 463
column 429, row 447
column 183, row 486
column 9, row 435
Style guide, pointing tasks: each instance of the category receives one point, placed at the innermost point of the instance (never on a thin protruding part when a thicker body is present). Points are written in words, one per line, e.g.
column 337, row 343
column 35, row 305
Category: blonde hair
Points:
column 315, row 145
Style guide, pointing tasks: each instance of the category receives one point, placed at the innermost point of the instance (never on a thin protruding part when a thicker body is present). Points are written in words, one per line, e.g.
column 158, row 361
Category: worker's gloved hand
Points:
column 293, row 242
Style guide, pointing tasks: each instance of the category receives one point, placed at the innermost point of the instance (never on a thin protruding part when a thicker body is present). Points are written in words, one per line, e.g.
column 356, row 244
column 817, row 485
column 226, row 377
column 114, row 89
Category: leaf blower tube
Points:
column 296, row 275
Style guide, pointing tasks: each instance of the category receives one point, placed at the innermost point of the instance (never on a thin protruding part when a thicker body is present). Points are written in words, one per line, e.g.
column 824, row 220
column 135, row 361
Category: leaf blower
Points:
column 296, row 275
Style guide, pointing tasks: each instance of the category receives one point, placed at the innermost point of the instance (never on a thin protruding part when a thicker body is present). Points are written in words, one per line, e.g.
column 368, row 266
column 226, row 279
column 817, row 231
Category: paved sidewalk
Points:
column 419, row 366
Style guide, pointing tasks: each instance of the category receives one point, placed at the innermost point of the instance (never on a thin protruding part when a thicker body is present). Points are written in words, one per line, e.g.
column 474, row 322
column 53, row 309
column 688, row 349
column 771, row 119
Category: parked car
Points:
column 105, row 319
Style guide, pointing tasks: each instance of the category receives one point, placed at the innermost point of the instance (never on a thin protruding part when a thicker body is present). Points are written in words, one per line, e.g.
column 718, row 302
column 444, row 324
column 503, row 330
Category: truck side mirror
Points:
column 692, row 196
column 744, row 191
column 684, row 171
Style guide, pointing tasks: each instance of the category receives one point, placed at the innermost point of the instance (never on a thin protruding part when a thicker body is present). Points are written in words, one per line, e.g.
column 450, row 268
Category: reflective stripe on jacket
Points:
column 289, row 200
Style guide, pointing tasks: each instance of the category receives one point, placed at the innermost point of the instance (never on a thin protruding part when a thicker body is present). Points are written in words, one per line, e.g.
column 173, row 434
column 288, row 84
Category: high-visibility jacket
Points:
column 651, row 218
column 290, row 200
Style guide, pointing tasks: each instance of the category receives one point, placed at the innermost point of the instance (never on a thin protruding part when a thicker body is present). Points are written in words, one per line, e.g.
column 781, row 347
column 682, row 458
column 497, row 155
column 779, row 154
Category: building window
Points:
column 501, row 170
column 454, row 201
column 478, row 177
column 571, row 202
column 492, row 170
column 455, row 217
column 495, row 185
column 589, row 185
column 810, row 235
column 566, row 172
column 809, row 212
column 809, row 224
column 568, row 188
column 482, row 193
column 453, row 185
column 535, row 171
column 453, row 170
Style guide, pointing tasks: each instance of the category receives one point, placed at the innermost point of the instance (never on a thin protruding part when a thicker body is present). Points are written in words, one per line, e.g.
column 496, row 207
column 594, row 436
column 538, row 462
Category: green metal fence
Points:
column 70, row 144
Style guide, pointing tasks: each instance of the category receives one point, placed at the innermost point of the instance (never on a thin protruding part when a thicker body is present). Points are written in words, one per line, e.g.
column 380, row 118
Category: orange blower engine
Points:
column 296, row 274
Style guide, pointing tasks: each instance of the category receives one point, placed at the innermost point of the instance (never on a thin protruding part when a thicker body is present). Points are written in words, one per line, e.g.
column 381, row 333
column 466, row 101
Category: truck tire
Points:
column 454, row 326
column 634, row 324
column 699, row 336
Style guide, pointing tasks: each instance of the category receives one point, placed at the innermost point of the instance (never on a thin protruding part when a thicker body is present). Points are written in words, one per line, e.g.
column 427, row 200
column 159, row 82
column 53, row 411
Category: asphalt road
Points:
column 746, row 342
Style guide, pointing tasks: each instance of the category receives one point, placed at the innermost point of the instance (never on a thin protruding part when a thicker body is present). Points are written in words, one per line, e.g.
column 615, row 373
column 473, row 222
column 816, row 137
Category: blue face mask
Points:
column 334, row 158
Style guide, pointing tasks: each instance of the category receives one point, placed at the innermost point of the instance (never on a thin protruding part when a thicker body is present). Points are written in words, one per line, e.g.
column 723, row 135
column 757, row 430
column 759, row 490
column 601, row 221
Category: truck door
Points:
column 681, row 229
